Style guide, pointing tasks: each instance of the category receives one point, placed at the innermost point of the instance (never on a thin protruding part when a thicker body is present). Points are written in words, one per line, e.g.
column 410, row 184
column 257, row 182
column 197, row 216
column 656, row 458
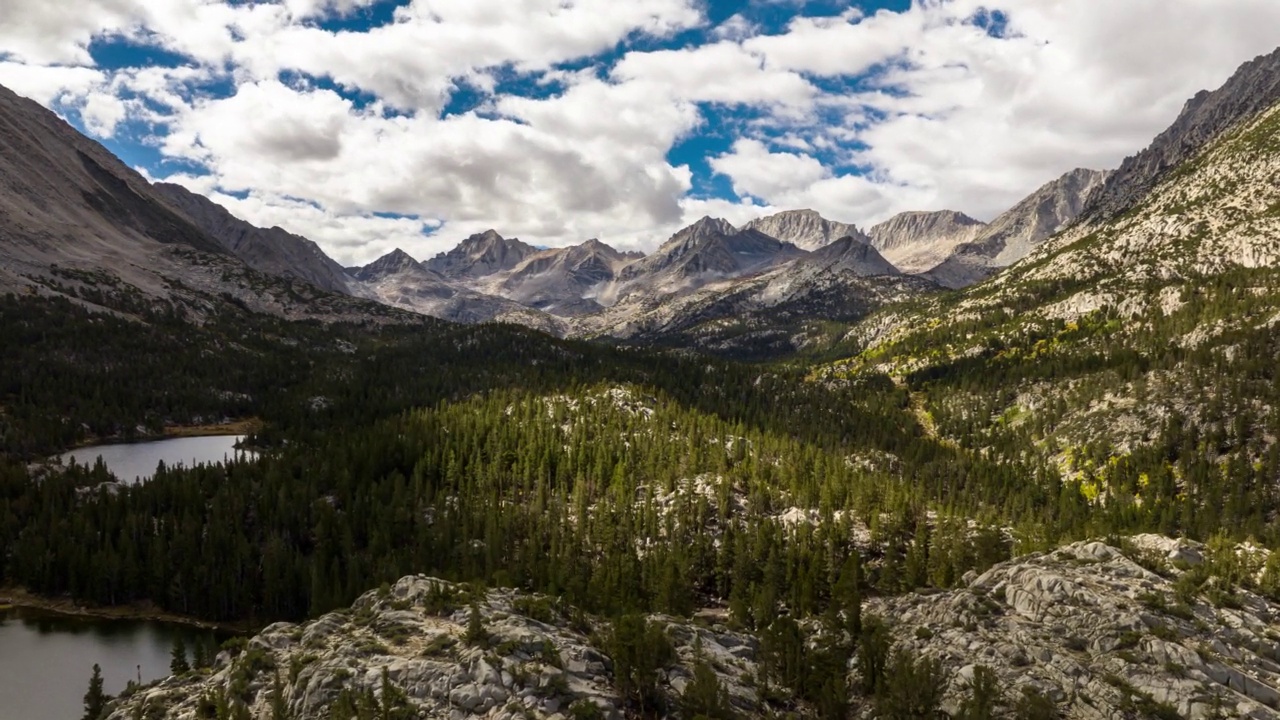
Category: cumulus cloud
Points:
column 974, row 120
column 353, row 137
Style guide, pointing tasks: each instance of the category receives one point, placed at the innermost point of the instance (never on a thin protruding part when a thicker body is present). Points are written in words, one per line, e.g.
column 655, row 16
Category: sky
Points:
column 368, row 125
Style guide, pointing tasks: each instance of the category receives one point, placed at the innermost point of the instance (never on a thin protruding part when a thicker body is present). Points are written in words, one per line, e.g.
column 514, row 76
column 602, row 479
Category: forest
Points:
column 622, row 481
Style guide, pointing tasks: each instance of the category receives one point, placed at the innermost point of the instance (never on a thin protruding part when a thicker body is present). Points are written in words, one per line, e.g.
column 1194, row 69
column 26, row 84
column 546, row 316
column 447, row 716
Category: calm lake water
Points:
column 46, row 659
column 138, row 461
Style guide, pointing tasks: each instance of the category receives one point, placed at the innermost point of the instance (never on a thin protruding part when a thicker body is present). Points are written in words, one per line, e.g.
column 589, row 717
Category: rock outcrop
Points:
column 1093, row 631
column 1102, row 636
column 522, row 657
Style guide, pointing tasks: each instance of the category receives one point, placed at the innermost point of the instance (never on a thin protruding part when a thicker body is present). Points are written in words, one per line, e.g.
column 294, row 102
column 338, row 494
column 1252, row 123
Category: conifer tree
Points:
column 178, row 664
column 95, row 700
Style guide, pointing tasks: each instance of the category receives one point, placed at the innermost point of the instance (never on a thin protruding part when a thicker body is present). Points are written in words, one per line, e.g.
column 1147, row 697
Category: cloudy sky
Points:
column 371, row 124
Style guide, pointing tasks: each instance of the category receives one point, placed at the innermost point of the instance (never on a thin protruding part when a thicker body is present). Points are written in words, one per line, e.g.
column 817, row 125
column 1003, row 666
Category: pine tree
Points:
column 178, row 664
column 982, row 701
column 476, row 633
column 95, row 700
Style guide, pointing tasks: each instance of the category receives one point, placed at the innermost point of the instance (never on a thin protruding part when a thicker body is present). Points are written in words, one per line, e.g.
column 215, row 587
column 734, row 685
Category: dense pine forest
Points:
column 621, row 481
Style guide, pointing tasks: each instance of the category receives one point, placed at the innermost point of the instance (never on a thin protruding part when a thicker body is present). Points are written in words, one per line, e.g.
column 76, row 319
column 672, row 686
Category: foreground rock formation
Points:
column 1104, row 637
column 1087, row 630
column 521, row 657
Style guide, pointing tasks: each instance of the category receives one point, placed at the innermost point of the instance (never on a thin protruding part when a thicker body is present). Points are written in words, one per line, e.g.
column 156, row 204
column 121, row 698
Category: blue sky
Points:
column 374, row 124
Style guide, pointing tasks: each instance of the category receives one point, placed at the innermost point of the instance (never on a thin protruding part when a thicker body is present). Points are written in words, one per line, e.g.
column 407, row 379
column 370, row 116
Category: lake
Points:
column 46, row 659
column 137, row 461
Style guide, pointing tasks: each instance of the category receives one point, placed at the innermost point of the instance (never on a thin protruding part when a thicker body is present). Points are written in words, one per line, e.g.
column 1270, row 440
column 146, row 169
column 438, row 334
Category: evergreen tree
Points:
column 704, row 697
column 178, row 664
column 912, row 689
column 95, row 700
column 476, row 632
column 982, row 698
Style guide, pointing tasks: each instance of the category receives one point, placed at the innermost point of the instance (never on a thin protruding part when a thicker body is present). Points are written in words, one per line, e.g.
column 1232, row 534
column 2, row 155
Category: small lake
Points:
column 137, row 461
column 46, row 659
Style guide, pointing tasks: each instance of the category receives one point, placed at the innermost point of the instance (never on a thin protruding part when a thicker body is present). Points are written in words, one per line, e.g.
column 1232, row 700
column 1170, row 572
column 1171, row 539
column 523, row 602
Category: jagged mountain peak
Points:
column 481, row 255
column 393, row 263
column 701, row 230
column 1253, row 89
column 807, row 229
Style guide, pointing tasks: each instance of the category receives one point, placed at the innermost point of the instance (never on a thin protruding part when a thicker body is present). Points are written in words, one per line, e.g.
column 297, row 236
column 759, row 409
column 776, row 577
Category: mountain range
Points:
column 150, row 235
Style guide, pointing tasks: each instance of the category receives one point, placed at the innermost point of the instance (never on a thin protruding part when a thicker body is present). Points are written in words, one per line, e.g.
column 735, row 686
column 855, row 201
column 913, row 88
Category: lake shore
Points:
column 15, row 597
column 244, row 426
column 248, row 426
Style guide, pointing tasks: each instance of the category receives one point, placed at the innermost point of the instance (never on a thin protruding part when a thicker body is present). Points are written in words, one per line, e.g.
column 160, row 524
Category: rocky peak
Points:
column 917, row 241
column 1022, row 228
column 705, row 229
column 852, row 254
column 917, row 227
column 393, row 263
column 806, row 229
column 1014, row 234
column 481, row 255
column 1253, row 89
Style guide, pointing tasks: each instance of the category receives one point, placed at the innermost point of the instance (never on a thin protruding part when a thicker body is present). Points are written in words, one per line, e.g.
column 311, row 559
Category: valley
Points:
column 1027, row 468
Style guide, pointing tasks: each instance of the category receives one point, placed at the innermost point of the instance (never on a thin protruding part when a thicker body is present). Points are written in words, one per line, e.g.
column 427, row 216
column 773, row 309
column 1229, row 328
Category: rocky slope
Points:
column 79, row 223
column 805, row 229
column 273, row 251
column 65, row 200
column 766, row 316
column 1017, row 232
column 1120, row 333
column 530, row 659
column 917, row 241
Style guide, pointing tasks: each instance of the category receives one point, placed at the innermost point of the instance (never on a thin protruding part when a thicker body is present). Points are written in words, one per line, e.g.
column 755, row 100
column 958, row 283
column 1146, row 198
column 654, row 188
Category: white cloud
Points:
column 952, row 117
column 723, row 73
column 760, row 173
column 975, row 122
column 48, row 84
